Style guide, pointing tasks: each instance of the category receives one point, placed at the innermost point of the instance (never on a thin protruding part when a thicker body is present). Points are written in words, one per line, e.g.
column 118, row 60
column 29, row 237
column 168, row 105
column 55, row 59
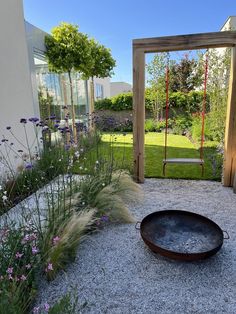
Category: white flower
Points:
column 77, row 154
column 85, row 169
column 4, row 198
column 97, row 162
column 80, row 168
column 5, row 192
column 103, row 184
column 0, row 188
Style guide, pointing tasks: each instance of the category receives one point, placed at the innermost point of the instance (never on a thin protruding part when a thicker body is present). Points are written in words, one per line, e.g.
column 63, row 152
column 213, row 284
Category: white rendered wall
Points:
column 105, row 82
column 16, row 96
column 120, row 87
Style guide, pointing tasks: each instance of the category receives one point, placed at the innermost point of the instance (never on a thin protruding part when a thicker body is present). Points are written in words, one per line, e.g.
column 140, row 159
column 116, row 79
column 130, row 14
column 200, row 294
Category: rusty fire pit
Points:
column 181, row 235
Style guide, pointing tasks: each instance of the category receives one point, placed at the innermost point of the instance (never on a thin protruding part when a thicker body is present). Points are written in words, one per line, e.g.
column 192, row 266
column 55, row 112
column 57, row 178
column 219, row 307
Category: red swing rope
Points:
column 167, row 104
column 204, row 106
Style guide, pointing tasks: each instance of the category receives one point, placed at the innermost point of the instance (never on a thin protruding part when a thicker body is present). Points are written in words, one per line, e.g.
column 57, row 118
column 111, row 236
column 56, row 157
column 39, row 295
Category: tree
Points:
column 156, row 70
column 219, row 66
column 186, row 75
column 68, row 50
column 101, row 66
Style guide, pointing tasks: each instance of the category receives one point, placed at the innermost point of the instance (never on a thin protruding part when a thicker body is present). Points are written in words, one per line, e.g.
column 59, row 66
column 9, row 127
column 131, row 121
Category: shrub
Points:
column 103, row 104
column 196, row 129
column 122, row 102
column 181, row 125
column 150, row 125
column 195, row 102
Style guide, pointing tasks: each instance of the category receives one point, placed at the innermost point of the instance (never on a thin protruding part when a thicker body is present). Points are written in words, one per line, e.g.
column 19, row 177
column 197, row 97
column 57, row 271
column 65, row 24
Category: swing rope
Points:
column 167, row 103
column 204, row 107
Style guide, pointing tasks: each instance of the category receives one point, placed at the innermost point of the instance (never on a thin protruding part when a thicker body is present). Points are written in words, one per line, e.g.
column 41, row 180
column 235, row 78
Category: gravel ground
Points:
column 115, row 272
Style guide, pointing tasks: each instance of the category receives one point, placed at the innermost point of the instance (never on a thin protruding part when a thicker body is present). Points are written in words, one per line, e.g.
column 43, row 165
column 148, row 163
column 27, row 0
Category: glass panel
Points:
column 54, row 91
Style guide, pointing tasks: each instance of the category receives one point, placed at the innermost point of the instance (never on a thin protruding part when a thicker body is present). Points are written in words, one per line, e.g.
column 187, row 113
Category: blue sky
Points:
column 116, row 23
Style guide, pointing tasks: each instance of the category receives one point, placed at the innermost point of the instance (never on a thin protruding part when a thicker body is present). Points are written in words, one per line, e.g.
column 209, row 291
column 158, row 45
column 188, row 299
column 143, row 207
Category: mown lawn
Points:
column 121, row 147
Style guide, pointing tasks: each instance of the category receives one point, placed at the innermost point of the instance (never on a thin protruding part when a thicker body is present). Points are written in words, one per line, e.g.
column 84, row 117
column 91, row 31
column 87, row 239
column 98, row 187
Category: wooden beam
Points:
column 230, row 130
column 186, row 42
column 139, row 113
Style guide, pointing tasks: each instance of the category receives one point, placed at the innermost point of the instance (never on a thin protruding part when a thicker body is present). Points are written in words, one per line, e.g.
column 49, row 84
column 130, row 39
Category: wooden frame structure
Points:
column 174, row 43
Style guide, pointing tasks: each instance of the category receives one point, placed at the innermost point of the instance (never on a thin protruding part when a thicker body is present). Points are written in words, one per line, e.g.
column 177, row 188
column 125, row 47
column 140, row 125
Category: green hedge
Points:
column 188, row 102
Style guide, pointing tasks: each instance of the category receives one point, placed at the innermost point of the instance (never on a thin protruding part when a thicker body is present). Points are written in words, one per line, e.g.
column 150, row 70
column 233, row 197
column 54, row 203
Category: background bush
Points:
column 196, row 129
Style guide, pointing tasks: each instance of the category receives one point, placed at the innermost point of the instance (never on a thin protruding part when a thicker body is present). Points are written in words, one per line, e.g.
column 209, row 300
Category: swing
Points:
column 195, row 161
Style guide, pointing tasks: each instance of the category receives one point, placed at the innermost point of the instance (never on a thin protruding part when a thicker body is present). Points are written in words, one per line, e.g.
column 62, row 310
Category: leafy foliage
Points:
column 102, row 62
column 67, row 49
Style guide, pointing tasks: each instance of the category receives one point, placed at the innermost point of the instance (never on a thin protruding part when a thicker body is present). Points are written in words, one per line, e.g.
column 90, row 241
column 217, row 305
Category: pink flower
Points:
column 23, row 277
column 34, row 250
column 36, row 309
column 10, row 277
column 28, row 266
column 46, row 307
column 10, row 270
column 33, row 236
column 26, row 238
column 19, row 255
column 49, row 267
column 55, row 240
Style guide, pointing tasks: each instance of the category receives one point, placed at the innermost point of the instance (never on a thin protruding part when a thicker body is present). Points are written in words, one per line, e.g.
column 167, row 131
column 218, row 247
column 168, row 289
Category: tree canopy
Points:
column 68, row 49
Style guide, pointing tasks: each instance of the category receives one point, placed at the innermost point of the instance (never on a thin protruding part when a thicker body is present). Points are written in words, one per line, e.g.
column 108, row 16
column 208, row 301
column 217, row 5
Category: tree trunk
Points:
column 72, row 109
column 92, row 101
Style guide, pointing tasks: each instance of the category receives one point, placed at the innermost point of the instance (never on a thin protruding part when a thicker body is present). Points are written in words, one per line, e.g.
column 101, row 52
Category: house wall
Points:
column 120, row 87
column 17, row 99
column 105, row 83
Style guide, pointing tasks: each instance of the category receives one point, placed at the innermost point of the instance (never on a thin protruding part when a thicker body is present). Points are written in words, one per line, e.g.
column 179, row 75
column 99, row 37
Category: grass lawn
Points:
column 178, row 147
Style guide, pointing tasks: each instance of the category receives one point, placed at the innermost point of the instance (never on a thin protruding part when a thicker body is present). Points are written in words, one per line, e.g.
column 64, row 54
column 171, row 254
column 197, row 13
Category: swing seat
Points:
column 183, row 161
column 193, row 161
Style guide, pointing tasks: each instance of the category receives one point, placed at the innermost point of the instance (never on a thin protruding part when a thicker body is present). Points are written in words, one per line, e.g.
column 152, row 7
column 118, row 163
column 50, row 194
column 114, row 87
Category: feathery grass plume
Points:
column 68, row 234
column 112, row 199
column 124, row 186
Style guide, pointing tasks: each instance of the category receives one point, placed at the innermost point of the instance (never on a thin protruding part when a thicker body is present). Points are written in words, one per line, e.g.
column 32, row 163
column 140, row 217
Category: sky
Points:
column 115, row 23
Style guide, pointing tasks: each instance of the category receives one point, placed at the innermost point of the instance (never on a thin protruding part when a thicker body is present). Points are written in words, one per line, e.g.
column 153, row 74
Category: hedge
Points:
column 190, row 102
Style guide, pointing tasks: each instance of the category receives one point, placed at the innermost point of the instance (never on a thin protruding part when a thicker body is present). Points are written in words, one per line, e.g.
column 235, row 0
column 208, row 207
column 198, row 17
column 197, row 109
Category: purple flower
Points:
column 4, row 140
column 23, row 277
column 23, row 120
column 55, row 240
column 19, row 255
column 53, row 117
column 56, row 125
column 34, row 119
column 28, row 266
column 104, row 218
column 49, row 267
column 8, row 127
column 46, row 307
column 34, row 250
column 36, row 309
column 20, row 151
column 29, row 166
column 9, row 270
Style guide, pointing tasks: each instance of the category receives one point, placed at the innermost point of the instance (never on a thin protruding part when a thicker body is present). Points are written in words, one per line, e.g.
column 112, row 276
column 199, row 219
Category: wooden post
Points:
column 230, row 130
column 139, row 113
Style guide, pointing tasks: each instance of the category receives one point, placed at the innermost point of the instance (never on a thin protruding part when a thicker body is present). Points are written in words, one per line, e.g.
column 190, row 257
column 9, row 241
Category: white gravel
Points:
column 116, row 273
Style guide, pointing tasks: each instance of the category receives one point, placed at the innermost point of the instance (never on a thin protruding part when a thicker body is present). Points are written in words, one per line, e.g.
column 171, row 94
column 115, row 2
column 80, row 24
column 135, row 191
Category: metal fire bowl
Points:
column 181, row 235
